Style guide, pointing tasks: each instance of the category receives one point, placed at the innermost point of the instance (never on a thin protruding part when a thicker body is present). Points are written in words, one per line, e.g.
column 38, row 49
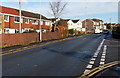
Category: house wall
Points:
column 13, row 25
column 29, row 25
column 47, row 27
column 89, row 24
column 79, row 27
column 71, row 25
column 0, row 24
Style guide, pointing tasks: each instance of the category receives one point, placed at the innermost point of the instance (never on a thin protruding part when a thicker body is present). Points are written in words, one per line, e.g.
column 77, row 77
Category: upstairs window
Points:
column 27, row 21
column 34, row 22
column 47, row 23
column 16, row 19
column 6, row 18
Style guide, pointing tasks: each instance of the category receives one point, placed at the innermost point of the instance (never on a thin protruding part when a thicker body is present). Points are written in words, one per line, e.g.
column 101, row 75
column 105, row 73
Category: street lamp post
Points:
column 85, row 26
column 20, row 26
column 40, row 30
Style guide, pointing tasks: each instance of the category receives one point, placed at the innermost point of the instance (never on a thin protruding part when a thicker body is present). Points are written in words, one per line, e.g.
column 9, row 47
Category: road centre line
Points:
column 101, row 45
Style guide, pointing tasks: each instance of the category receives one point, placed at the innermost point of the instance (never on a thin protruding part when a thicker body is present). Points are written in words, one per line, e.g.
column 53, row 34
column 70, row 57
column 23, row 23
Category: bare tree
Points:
column 57, row 7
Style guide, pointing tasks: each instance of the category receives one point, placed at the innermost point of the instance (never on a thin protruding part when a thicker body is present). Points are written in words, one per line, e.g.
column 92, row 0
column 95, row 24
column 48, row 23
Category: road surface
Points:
column 66, row 58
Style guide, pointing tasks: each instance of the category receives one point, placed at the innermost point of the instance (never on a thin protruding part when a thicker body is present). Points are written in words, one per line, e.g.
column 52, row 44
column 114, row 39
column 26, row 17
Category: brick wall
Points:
column 26, row 38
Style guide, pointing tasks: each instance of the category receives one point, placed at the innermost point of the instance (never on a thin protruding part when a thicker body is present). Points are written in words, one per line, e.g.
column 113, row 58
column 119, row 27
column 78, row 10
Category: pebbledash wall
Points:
column 27, row 38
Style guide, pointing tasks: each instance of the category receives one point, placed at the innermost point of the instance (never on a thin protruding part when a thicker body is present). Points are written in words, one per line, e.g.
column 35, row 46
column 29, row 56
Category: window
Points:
column 27, row 21
column 6, row 18
column 34, row 22
column 6, row 30
column 47, row 23
column 16, row 19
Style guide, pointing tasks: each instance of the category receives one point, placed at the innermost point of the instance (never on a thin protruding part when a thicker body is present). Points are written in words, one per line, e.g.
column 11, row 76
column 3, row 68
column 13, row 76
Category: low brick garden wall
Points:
column 27, row 38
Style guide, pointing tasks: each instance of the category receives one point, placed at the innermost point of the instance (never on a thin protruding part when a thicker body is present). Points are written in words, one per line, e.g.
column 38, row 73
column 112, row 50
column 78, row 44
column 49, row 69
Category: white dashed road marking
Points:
column 91, row 63
column 86, row 71
column 102, row 61
column 89, row 66
column 93, row 59
column 103, row 56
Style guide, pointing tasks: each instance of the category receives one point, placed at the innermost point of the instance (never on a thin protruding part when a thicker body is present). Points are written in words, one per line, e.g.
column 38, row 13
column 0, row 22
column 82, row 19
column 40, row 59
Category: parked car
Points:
column 105, row 32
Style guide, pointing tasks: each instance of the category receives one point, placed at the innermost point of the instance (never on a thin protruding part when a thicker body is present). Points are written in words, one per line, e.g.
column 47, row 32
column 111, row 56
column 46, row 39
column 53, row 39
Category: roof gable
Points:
column 75, row 21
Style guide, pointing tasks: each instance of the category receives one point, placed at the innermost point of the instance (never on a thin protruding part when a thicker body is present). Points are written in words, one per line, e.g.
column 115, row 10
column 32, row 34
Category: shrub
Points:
column 71, row 31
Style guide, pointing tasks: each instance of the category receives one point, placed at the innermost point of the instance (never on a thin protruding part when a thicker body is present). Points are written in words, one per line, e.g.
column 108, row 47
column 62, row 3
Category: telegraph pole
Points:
column 20, row 26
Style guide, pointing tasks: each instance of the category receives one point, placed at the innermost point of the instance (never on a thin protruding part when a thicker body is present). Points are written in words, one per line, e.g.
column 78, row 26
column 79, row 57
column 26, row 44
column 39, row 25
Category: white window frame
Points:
column 19, row 19
column 16, row 21
column 35, row 22
column 7, row 18
column 47, row 23
column 26, row 22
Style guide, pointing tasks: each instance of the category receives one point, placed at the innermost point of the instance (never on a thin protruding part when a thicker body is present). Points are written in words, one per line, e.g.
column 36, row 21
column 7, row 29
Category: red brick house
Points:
column 88, row 25
column 93, row 25
column 30, row 21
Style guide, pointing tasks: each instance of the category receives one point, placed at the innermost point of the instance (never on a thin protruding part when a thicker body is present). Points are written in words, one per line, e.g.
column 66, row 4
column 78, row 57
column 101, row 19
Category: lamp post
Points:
column 85, row 26
column 20, row 26
column 40, row 28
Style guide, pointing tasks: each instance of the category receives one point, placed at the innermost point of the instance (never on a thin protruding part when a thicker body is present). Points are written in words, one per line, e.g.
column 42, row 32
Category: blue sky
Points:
column 74, row 10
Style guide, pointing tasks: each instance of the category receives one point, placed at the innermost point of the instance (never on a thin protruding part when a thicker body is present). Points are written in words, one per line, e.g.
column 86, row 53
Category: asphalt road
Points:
column 66, row 58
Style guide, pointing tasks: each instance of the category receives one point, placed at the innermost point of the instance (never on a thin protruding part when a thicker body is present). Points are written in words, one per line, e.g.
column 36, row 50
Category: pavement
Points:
column 67, row 58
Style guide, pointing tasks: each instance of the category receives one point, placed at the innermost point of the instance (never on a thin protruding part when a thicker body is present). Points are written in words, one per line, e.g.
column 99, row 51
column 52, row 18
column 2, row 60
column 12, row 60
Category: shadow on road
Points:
column 83, row 57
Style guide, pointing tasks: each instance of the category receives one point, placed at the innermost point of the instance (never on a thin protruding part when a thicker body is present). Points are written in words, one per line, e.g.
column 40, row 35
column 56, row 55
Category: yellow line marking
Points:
column 98, row 69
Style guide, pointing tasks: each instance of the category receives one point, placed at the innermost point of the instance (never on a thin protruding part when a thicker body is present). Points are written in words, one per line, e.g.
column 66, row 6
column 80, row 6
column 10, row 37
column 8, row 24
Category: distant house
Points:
column 94, row 25
column 29, row 21
column 98, row 25
column 75, row 24
column 88, row 25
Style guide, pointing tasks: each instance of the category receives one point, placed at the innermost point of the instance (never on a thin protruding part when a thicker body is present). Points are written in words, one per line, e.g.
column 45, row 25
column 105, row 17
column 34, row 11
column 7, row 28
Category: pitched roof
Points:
column 13, row 11
column 8, row 10
column 75, row 21
column 96, row 20
column 52, row 19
